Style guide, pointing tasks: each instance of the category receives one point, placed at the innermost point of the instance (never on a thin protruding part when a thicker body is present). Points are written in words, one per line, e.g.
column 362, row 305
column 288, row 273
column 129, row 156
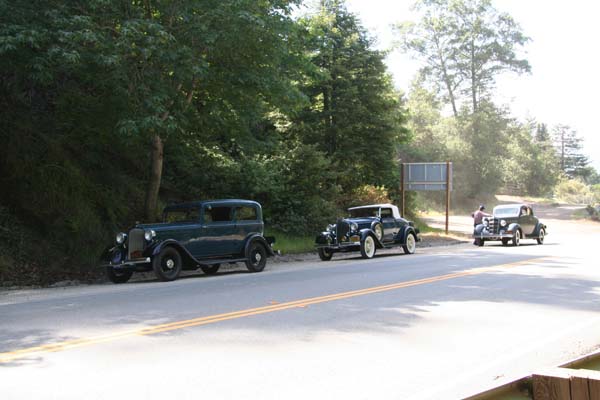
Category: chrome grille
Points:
column 341, row 229
column 135, row 243
column 494, row 225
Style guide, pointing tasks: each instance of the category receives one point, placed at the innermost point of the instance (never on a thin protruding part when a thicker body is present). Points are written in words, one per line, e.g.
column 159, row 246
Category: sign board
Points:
column 427, row 176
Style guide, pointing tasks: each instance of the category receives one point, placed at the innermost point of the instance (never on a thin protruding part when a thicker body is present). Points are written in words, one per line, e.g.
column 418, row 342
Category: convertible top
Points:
column 395, row 211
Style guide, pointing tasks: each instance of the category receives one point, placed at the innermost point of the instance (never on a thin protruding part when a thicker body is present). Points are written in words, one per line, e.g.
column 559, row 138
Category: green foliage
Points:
column 465, row 45
column 574, row 191
column 247, row 102
column 369, row 194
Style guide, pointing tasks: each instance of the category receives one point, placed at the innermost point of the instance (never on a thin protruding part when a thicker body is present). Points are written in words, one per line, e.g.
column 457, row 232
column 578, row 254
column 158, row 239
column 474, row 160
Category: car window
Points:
column 364, row 212
column 246, row 213
column 218, row 214
column 386, row 213
column 191, row 214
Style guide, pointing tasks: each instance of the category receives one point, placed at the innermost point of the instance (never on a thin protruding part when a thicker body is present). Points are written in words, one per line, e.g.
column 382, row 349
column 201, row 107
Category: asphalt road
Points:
column 444, row 323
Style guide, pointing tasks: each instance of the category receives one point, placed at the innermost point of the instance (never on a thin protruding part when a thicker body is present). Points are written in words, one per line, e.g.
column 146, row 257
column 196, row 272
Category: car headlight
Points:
column 486, row 222
column 121, row 237
column 502, row 223
column 353, row 227
column 330, row 227
column 149, row 235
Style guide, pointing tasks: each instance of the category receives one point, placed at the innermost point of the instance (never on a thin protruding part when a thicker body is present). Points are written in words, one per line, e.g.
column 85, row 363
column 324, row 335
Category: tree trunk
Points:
column 473, row 78
column 155, row 178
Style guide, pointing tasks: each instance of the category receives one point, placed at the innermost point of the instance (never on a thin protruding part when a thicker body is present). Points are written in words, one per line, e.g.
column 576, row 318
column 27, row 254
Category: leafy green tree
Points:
column 465, row 45
column 355, row 116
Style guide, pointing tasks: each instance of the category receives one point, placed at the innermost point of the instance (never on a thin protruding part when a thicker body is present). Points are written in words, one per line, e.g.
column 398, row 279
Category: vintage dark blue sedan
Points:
column 201, row 234
column 368, row 228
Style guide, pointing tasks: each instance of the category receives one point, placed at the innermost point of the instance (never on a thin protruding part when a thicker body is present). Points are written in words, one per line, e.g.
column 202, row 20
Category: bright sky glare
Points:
column 563, row 54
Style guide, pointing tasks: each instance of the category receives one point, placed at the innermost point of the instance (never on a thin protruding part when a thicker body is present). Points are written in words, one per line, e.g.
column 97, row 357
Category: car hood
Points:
column 159, row 226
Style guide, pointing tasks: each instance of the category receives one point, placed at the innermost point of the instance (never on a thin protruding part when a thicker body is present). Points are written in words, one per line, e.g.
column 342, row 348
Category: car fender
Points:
column 324, row 239
column 513, row 227
column 539, row 227
column 155, row 248
column 403, row 234
column 258, row 238
column 369, row 232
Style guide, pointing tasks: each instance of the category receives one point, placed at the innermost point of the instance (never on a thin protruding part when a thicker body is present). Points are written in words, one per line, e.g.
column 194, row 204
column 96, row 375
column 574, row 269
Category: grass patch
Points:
column 423, row 227
column 291, row 244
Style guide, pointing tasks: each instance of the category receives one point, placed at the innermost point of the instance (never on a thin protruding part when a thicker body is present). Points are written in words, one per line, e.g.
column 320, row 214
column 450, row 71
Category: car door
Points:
column 247, row 221
column 526, row 220
column 218, row 230
column 183, row 225
column 390, row 225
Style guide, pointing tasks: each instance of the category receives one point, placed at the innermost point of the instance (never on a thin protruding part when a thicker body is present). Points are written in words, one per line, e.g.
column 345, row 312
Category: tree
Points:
column 465, row 45
column 569, row 145
column 355, row 116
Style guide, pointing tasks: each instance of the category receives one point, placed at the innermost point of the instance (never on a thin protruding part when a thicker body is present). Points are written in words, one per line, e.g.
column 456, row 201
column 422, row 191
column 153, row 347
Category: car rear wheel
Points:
column 118, row 275
column 256, row 257
column 210, row 269
column 540, row 238
column 516, row 239
column 367, row 247
column 167, row 265
column 325, row 254
column 411, row 244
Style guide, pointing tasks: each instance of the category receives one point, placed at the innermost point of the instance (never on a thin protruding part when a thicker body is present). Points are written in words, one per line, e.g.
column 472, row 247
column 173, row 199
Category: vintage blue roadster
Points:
column 201, row 234
column 366, row 229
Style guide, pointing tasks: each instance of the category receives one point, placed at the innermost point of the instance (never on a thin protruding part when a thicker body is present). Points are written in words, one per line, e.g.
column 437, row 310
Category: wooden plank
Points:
column 593, row 383
column 579, row 388
column 552, row 384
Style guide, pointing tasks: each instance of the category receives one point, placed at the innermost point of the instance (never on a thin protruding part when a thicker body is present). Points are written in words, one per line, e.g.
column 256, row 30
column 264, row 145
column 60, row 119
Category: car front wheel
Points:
column 167, row 265
column 411, row 244
column 325, row 254
column 256, row 257
column 540, row 239
column 118, row 275
column 516, row 239
column 367, row 247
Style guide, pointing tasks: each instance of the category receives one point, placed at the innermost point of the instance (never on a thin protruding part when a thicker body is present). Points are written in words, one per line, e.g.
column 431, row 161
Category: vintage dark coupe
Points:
column 201, row 234
column 510, row 223
column 368, row 228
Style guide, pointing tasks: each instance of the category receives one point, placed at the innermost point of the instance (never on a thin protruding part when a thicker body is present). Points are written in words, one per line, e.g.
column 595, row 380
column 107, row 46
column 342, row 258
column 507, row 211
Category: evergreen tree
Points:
column 355, row 115
column 573, row 163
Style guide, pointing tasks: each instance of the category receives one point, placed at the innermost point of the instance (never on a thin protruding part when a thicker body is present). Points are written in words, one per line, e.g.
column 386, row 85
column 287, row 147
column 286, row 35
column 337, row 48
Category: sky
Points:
column 564, row 83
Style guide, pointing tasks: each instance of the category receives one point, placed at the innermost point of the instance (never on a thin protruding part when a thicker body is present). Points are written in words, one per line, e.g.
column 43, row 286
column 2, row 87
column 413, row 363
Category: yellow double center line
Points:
column 70, row 344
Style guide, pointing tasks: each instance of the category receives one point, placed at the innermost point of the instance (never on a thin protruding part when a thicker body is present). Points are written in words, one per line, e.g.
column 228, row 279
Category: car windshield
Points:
column 191, row 214
column 364, row 212
column 506, row 211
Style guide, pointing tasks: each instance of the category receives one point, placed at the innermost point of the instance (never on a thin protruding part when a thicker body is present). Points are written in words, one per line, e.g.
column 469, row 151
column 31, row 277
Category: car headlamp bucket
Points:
column 353, row 227
column 121, row 237
column 331, row 228
column 502, row 223
column 149, row 235
column 486, row 222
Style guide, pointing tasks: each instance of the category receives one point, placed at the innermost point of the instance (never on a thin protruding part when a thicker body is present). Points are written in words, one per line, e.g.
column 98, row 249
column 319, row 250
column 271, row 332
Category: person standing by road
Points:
column 478, row 215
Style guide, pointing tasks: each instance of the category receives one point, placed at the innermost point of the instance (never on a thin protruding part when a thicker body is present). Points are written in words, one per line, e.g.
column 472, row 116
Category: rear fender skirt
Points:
column 258, row 238
column 368, row 232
